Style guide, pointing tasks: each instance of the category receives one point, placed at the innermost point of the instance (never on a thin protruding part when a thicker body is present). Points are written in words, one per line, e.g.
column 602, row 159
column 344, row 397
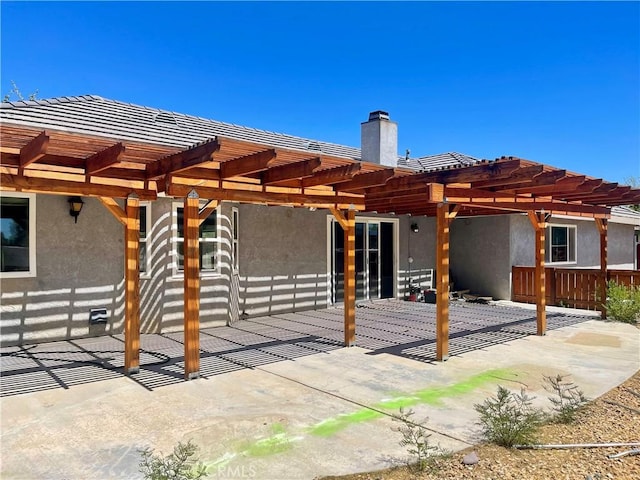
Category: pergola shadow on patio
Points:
column 394, row 327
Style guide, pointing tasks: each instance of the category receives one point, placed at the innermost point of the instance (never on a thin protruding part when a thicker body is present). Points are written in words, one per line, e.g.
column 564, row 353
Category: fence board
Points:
column 569, row 287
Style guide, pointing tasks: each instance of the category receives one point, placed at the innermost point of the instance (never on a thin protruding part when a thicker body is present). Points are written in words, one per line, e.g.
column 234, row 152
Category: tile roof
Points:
column 438, row 162
column 625, row 212
column 94, row 115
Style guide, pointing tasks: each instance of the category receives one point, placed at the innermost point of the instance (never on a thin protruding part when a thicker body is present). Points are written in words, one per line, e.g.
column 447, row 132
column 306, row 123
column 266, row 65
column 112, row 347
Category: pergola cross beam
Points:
column 104, row 159
column 290, row 171
column 34, row 150
column 182, row 160
column 255, row 162
column 331, row 176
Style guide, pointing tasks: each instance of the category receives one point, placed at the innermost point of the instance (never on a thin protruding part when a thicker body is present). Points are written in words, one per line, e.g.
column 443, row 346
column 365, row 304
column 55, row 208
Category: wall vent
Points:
column 97, row 315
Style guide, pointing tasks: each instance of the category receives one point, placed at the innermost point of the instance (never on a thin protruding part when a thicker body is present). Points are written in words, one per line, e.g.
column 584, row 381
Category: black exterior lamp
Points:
column 414, row 228
column 75, row 207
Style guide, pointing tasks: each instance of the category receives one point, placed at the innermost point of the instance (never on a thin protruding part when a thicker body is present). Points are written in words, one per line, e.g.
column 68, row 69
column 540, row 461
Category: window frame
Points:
column 32, row 272
column 549, row 246
column 175, row 239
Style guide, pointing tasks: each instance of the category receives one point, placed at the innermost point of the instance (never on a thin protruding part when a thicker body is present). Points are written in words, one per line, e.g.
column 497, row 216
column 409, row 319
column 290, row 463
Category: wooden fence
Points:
column 568, row 287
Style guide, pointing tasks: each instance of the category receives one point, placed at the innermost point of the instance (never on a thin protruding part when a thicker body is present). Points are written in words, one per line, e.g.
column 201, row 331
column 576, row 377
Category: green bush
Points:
column 178, row 465
column 509, row 419
column 416, row 440
column 567, row 399
column 623, row 303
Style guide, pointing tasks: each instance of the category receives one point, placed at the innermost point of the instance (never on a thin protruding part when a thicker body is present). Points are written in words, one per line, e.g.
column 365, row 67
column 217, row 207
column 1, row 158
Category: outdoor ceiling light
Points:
column 414, row 228
column 75, row 207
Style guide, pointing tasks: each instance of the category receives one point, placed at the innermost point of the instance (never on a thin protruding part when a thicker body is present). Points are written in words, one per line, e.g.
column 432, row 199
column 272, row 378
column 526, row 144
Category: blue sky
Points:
column 558, row 83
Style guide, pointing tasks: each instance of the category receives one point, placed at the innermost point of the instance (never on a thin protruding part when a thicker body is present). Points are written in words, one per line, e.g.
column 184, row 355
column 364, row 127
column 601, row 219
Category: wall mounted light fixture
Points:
column 75, row 207
column 414, row 228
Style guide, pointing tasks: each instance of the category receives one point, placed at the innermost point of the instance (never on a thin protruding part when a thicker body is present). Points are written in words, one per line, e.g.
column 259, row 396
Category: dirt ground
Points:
column 614, row 417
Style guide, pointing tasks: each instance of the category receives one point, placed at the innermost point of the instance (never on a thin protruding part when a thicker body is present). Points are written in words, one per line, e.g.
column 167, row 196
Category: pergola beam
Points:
column 183, row 160
column 519, row 176
column 290, row 171
column 562, row 185
column 34, row 150
column 366, row 180
column 207, row 210
column 322, row 201
column 104, row 159
column 606, row 190
column 47, row 185
column 475, row 173
column 256, row 162
column 543, row 179
column 525, row 204
column 331, row 176
column 115, row 209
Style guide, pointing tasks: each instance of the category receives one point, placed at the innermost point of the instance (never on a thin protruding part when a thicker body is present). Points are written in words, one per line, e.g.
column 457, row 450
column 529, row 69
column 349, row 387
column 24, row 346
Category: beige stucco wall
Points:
column 81, row 266
column 620, row 243
column 480, row 255
column 283, row 266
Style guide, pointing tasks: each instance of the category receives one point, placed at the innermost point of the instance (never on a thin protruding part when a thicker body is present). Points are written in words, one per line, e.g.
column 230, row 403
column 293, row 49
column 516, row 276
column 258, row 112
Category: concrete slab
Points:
column 277, row 403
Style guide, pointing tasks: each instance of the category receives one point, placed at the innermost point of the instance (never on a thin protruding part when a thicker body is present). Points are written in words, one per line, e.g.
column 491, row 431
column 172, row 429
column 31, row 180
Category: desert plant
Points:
column 178, row 465
column 509, row 418
column 567, row 399
column 416, row 440
column 623, row 302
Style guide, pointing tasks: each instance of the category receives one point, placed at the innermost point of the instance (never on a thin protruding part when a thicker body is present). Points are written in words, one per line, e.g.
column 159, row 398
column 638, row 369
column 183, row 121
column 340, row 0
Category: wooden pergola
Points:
column 229, row 169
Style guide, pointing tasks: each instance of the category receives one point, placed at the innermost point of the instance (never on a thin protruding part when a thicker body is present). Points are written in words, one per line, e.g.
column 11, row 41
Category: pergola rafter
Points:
column 231, row 169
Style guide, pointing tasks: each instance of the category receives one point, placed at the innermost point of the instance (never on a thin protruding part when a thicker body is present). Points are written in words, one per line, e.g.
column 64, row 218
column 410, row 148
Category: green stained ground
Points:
column 278, row 442
column 332, row 425
column 429, row 396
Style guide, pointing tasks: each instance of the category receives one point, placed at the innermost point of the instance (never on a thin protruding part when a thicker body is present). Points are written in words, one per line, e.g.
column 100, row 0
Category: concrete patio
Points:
column 279, row 397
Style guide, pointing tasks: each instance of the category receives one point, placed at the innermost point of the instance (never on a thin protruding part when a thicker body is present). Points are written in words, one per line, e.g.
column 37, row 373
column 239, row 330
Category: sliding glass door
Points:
column 374, row 260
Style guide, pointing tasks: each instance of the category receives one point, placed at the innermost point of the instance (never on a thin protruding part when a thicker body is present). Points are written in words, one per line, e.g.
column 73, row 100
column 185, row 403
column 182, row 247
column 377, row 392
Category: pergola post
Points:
column 601, row 223
column 443, row 221
column 191, row 253
column 348, row 224
column 132, row 286
column 350, row 280
column 538, row 221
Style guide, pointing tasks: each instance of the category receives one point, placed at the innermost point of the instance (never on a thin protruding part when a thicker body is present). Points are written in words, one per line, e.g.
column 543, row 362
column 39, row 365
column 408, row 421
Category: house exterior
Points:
column 64, row 280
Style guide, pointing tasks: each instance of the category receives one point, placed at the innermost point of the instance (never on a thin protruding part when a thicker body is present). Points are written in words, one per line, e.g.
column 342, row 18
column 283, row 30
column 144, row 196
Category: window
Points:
column 560, row 244
column 18, row 234
column 208, row 241
column 234, row 239
column 145, row 222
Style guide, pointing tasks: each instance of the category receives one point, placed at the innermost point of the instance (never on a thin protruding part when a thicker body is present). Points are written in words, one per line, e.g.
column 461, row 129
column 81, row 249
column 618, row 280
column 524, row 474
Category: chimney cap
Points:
column 379, row 115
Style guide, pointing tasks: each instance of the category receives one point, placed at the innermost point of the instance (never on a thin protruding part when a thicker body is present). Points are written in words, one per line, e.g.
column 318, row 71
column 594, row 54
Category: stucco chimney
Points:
column 379, row 139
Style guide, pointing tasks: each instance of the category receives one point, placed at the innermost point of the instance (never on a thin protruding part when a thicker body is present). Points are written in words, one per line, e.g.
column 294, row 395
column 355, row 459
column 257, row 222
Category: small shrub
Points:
column 416, row 440
column 623, row 303
column 509, row 419
column 178, row 465
column 567, row 399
